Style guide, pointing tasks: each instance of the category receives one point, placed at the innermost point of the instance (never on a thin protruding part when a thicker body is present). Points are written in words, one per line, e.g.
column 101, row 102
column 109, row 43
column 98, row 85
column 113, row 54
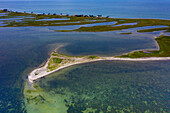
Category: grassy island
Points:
column 120, row 25
column 126, row 33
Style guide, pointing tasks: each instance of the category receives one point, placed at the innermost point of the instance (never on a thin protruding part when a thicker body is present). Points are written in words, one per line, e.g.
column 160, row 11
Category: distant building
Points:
column 78, row 15
column 91, row 15
column 99, row 16
column 86, row 16
column 5, row 10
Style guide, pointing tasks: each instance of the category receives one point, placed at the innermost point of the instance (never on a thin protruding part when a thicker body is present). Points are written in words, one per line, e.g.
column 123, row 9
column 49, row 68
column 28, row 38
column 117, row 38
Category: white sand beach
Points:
column 42, row 71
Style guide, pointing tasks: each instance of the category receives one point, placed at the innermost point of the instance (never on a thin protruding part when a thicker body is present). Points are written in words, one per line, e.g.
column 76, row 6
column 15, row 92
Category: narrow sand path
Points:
column 43, row 70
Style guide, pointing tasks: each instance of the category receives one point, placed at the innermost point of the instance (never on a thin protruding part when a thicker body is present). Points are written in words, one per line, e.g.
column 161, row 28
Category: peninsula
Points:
column 59, row 61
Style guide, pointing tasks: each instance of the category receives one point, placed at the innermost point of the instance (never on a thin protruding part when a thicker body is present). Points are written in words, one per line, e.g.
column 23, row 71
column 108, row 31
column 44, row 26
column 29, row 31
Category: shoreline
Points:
column 43, row 71
column 156, row 44
column 32, row 76
column 29, row 12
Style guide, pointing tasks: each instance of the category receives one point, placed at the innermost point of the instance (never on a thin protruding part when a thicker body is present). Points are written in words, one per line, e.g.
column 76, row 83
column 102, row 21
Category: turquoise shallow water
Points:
column 111, row 86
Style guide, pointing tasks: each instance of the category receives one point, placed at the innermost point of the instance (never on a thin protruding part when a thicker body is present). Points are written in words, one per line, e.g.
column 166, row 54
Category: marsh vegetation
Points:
column 164, row 49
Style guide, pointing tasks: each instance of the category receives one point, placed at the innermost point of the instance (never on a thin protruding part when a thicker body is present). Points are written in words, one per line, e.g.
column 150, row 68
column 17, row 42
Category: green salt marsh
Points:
column 140, row 23
column 164, row 49
column 101, row 23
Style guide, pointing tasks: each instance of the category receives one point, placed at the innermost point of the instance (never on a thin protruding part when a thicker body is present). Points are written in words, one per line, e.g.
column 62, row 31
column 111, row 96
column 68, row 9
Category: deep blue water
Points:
column 113, row 8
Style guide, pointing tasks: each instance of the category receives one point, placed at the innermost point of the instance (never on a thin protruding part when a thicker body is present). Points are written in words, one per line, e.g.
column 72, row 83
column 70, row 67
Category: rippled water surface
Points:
column 109, row 86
